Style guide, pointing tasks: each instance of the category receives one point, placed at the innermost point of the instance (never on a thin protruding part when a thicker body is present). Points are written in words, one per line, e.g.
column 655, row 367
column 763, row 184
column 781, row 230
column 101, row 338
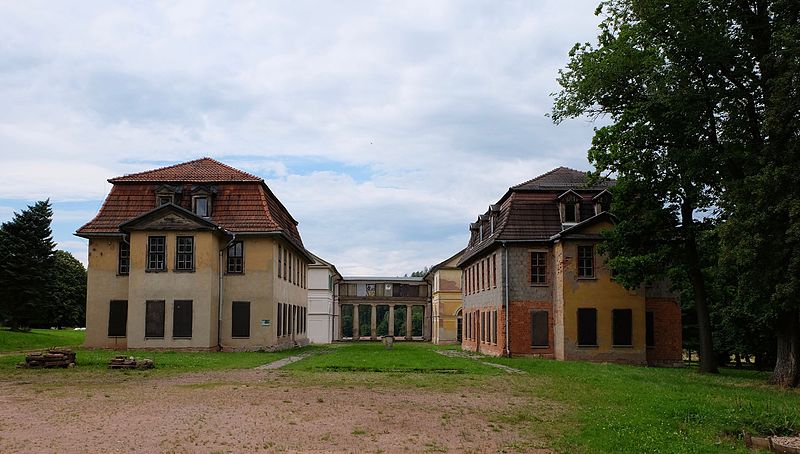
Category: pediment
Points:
column 169, row 217
column 570, row 196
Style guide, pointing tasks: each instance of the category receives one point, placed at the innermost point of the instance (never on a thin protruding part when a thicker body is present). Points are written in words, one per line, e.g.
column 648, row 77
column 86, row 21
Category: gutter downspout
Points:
column 507, row 351
column 222, row 290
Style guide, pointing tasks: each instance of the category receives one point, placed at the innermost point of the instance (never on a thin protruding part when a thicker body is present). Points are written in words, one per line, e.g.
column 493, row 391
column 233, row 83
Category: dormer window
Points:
column 569, row 207
column 200, row 206
column 602, row 201
column 201, row 200
column 165, row 194
column 569, row 212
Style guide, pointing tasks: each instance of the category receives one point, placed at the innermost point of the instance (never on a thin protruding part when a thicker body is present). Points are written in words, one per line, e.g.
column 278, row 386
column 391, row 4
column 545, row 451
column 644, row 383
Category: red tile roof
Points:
column 242, row 203
column 203, row 170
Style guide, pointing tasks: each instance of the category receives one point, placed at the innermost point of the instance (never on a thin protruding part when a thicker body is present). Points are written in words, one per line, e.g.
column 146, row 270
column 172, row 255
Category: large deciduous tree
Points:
column 702, row 98
column 26, row 265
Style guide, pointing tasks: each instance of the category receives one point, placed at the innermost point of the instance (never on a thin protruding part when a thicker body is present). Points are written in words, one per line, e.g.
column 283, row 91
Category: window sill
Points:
column 123, row 274
column 231, row 273
column 154, row 338
column 540, row 285
column 587, row 278
column 539, row 347
column 116, row 337
column 182, row 338
column 588, row 346
column 622, row 346
column 240, row 337
column 155, row 271
column 183, row 271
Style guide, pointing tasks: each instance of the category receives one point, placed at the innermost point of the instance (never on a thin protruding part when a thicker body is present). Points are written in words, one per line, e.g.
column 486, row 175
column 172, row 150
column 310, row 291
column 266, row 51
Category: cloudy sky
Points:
column 384, row 127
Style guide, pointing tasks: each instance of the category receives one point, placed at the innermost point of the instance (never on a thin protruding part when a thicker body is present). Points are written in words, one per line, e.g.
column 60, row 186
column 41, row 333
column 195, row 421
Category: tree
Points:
column 68, row 292
column 704, row 105
column 26, row 265
column 656, row 144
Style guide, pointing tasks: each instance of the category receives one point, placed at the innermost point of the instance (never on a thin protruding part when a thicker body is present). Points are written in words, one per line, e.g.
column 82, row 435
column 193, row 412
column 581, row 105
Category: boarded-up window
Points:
column 124, row 258
column 154, row 318
column 182, row 318
column 117, row 318
column 494, row 327
column 540, row 335
column 587, row 326
column 650, row 329
column 280, row 320
column 240, row 323
column 622, row 320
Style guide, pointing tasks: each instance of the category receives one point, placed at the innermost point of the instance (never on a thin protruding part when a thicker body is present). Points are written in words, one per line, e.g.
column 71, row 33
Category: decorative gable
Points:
column 569, row 204
column 169, row 217
column 602, row 201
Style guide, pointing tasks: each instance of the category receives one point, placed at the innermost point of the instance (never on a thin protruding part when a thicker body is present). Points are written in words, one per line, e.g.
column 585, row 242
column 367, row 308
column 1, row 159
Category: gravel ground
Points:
column 250, row 411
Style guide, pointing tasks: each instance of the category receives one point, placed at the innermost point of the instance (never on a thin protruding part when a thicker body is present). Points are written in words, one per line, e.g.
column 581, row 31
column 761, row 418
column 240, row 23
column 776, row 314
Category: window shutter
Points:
column 154, row 318
column 117, row 318
column 240, row 323
column 540, row 336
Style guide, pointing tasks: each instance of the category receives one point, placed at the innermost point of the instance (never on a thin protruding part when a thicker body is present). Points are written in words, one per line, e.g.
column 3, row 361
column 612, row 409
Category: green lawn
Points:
column 615, row 408
column 402, row 358
column 572, row 406
column 15, row 341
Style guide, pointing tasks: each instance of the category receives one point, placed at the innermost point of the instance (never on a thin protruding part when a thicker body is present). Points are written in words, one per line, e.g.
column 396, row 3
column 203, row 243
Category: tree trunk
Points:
column 787, row 366
column 708, row 362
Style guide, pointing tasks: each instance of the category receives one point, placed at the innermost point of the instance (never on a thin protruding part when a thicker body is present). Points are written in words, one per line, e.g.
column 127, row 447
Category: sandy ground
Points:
column 252, row 411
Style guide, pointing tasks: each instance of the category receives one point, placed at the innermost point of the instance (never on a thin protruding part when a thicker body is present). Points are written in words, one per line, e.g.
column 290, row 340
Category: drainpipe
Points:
column 221, row 289
column 505, row 294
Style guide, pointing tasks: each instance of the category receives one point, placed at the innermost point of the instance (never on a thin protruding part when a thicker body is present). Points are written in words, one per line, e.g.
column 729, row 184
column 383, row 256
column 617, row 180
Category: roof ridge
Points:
column 145, row 173
column 546, row 174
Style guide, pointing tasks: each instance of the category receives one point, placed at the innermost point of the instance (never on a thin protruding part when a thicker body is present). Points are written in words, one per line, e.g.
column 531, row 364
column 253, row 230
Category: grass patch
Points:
column 170, row 362
column 614, row 408
column 404, row 357
column 16, row 341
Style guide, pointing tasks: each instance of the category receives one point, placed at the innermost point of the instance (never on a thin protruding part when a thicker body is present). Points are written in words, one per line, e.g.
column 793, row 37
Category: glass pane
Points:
column 382, row 328
column 399, row 320
column 417, row 315
column 347, row 320
column 364, row 320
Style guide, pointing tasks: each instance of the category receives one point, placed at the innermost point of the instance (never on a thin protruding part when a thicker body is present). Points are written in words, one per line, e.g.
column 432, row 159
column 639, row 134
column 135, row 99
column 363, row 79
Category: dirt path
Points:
column 252, row 411
column 477, row 357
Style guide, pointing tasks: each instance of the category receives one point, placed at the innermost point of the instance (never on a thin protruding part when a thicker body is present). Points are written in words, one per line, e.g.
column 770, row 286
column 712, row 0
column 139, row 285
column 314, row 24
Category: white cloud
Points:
column 425, row 112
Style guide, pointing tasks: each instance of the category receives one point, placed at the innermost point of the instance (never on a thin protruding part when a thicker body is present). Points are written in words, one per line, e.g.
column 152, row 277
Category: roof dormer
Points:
column 166, row 194
column 201, row 200
column 569, row 207
column 602, row 201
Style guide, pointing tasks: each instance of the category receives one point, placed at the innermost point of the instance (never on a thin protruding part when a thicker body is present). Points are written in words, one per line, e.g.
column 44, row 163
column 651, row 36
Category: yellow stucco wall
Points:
column 200, row 286
column 103, row 285
column 446, row 300
column 602, row 294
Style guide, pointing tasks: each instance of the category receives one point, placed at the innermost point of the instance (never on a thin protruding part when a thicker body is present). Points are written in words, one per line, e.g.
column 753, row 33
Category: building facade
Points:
column 322, row 278
column 197, row 256
column 446, row 301
column 369, row 308
column 534, row 282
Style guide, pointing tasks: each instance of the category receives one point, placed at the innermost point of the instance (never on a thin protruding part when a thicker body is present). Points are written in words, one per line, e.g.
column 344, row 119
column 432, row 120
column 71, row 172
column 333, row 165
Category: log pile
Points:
column 54, row 357
column 129, row 362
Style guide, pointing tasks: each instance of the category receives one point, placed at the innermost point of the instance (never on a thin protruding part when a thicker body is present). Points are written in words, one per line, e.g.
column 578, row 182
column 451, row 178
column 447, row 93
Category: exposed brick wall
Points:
column 667, row 331
column 486, row 346
column 520, row 328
